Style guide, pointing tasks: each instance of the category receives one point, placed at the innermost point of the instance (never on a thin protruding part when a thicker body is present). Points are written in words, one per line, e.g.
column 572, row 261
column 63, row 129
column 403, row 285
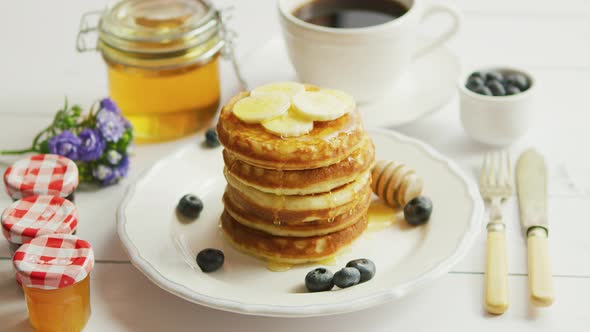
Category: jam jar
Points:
column 43, row 174
column 35, row 216
column 162, row 63
column 55, row 274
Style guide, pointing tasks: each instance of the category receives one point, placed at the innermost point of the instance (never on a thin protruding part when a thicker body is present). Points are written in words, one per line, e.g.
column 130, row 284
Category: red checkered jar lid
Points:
column 36, row 216
column 43, row 174
column 53, row 261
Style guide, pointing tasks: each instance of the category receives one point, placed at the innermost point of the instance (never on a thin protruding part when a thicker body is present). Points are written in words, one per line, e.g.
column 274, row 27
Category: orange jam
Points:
column 63, row 309
column 166, row 103
column 162, row 58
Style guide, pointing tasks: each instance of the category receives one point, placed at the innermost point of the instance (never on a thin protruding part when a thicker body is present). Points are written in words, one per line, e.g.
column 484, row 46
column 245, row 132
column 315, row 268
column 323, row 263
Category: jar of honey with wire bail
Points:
column 162, row 62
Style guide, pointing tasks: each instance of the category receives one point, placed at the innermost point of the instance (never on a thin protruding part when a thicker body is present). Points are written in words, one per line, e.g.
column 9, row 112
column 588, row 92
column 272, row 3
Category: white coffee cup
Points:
column 365, row 62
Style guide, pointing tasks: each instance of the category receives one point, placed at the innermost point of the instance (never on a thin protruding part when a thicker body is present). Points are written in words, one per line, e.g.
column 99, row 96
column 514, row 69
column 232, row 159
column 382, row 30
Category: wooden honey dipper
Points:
column 395, row 183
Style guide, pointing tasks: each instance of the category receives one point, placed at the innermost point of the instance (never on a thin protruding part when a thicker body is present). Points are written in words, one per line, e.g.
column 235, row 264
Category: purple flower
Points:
column 123, row 168
column 108, row 175
column 65, row 144
column 113, row 157
column 110, row 125
column 92, row 145
column 104, row 174
column 109, row 105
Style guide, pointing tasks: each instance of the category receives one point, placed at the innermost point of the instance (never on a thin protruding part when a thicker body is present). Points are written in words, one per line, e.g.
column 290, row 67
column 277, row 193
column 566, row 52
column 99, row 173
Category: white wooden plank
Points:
column 124, row 300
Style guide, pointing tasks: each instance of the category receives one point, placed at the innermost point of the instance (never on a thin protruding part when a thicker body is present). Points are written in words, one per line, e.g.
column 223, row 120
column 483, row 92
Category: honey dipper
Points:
column 395, row 183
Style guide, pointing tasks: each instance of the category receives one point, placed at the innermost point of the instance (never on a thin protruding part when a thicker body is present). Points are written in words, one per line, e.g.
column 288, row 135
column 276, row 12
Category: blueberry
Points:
column 476, row 74
column 210, row 260
column 494, row 75
column 418, row 210
column 190, row 206
column 483, row 90
column 512, row 90
column 365, row 266
column 319, row 280
column 211, row 138
column 496, row 88
column 474, row 83
column 346, row 277
column 518, row 80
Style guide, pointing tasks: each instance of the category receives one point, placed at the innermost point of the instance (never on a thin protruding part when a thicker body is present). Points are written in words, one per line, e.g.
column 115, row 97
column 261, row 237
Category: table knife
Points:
column 531, row 180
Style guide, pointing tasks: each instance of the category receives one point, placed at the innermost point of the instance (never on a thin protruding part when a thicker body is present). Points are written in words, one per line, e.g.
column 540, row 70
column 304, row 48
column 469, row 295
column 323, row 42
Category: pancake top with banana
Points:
column 291, row 126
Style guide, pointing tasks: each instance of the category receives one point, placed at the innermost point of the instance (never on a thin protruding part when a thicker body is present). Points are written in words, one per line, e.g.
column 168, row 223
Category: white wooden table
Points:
column 38, row 65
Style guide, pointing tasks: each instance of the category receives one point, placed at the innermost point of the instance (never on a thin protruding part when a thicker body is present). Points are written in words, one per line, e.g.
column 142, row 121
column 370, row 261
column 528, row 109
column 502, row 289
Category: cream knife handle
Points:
column 496, row 276
column 540, row 278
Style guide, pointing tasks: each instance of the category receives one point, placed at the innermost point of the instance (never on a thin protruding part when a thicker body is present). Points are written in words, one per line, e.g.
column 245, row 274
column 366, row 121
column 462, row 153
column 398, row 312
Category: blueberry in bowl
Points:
column 496, row 104
column 499, row 82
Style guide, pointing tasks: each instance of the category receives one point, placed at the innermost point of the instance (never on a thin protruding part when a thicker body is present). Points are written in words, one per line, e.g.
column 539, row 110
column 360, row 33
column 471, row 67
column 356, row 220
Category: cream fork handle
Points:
column 496, row 274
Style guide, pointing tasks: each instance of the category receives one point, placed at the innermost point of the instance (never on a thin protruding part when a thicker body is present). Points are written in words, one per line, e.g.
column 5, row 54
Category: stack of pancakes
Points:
column 297, row 199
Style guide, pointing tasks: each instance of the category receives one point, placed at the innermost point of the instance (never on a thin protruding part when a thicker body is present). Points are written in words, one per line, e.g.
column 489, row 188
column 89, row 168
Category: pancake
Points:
column 289, row 250
column 302, row 182
column 328, row 143
column 302, row 229
column 339, row 196
column 289, row 217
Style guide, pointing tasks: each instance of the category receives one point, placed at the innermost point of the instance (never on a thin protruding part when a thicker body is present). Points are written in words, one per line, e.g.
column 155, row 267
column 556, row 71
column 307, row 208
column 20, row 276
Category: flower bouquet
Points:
column 99, row 142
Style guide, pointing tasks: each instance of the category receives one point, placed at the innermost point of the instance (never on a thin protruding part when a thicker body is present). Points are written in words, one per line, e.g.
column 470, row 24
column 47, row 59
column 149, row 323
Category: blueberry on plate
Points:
column 190, row 206
column 319, row 280
column 418, row 210
column 210, row 260
column 474, row 82
column 365, row 266
column 476, row 74
column 211, row 138
column 483, row 90
column 494, row 75
column 496, row 88
column 518, row 80
column 512, row 90
column 347, row 277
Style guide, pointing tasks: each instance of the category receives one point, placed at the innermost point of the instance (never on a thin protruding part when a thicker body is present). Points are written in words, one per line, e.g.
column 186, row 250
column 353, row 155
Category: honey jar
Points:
column 43, row 174
column 55, row 275
column 35, row 216
column 162, row 63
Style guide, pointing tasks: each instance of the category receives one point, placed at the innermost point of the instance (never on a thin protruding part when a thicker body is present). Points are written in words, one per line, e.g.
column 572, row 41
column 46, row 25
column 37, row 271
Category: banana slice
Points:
column 343, row 97
column 288, row 125
column 255, row 109
column 318, row 105
column 289, row 88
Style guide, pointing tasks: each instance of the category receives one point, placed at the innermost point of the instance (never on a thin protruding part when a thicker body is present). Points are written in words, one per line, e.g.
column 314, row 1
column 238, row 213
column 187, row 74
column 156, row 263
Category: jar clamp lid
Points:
column 36, row 216
column 159, row 33
column 53, row 261
column 43, row 174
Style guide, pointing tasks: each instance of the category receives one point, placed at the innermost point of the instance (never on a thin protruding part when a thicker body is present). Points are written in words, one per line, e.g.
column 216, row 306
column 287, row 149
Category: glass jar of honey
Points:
column 55, row 275
column 162, row 63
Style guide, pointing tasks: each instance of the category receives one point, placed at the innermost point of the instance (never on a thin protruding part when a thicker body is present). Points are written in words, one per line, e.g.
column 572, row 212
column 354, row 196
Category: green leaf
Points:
column 44, row 146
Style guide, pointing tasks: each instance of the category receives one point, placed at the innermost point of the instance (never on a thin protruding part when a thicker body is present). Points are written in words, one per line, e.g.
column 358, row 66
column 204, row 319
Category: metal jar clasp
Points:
column 88, row 26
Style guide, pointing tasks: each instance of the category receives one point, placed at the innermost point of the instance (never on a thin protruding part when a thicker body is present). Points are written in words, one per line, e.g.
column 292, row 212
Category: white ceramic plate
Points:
column 429, row 83
column 407, row 258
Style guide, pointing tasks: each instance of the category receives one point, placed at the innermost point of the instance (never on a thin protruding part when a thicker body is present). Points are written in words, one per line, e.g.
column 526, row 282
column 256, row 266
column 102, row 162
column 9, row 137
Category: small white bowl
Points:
column 497, row 120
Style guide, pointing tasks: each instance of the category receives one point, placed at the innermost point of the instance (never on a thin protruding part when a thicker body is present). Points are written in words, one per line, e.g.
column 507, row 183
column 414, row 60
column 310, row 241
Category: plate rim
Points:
column 309, row 310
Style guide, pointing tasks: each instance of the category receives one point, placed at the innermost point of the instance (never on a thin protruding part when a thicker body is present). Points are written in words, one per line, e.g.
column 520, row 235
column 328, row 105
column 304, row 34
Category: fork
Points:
column 496, row 187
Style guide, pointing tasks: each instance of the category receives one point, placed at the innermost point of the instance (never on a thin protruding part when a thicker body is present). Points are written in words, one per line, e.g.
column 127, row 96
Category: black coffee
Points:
column 349, row 13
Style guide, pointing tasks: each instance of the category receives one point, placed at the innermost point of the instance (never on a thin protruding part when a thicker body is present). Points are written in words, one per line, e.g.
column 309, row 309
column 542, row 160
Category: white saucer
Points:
column 429, row 83
column 407, row 258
